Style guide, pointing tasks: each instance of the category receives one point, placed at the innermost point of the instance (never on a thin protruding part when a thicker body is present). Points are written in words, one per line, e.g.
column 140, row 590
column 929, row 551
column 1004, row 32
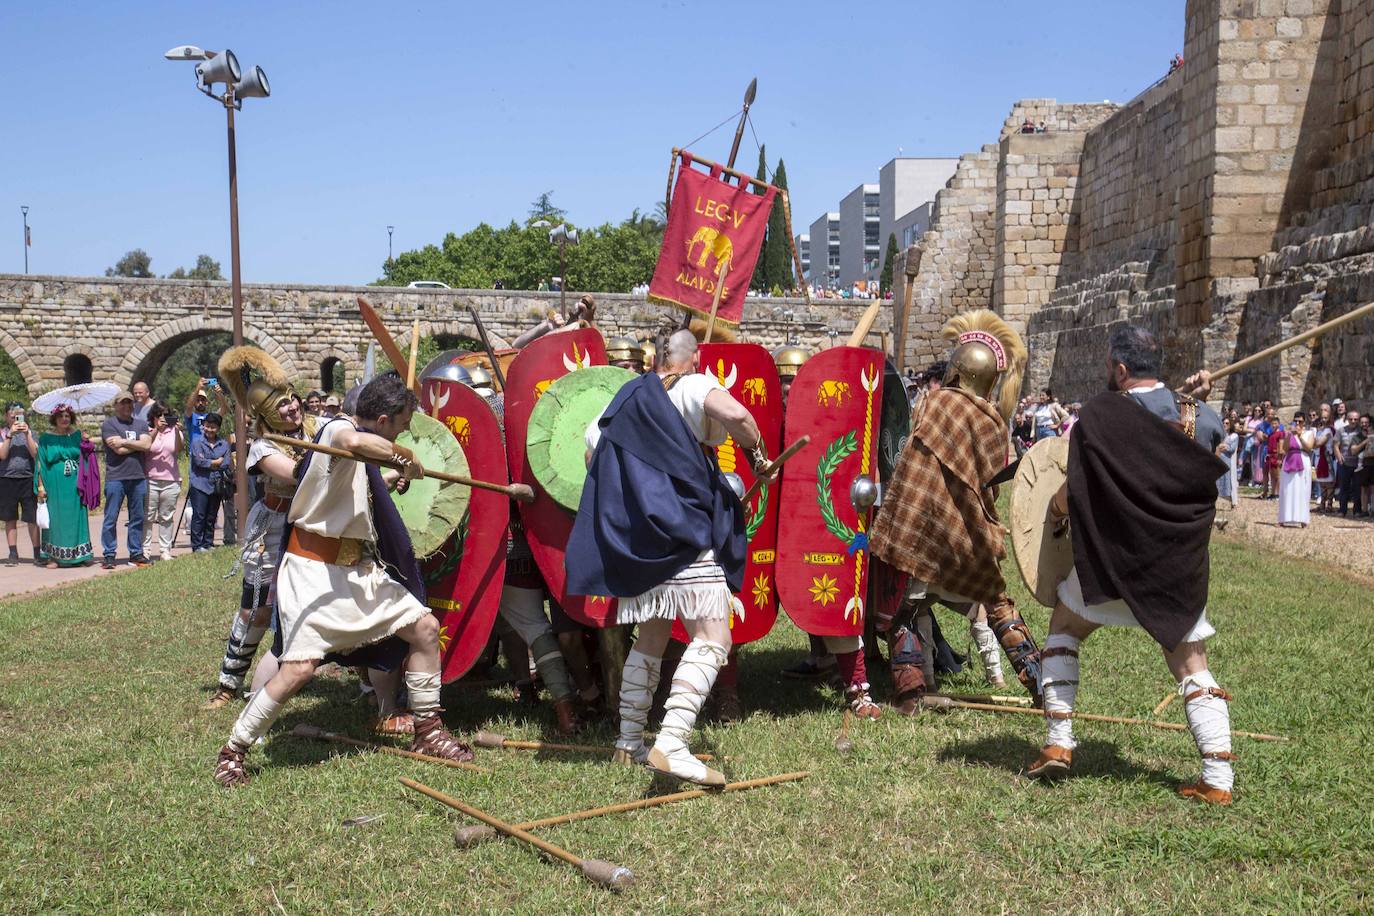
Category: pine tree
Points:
column 779, row 247
column 760, row 279
column 885, row 278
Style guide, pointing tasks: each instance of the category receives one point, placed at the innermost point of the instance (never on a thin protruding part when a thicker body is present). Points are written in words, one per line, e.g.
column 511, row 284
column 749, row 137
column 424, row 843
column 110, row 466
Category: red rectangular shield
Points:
column 711, row 224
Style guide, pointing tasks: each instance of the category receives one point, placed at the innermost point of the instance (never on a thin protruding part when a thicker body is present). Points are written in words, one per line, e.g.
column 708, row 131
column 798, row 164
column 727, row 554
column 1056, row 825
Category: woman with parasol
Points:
column 67, row 539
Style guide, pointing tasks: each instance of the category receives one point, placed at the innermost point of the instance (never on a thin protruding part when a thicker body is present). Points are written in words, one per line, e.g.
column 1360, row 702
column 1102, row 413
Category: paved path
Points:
column 27, row 578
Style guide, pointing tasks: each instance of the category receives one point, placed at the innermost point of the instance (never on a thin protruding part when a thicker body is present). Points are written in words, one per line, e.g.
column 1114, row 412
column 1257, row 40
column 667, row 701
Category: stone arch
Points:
column 28, row 369
column 147, row 355
column 76, row 368
column 319, row 360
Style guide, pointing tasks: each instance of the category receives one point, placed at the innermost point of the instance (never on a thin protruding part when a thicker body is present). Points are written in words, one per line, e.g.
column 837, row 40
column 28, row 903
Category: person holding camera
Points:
column 211, row 461
column 164, row 477
column 18, row 500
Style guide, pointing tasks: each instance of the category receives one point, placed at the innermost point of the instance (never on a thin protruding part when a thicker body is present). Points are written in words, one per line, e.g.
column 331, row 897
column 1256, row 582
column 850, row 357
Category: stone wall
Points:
column 127, row 328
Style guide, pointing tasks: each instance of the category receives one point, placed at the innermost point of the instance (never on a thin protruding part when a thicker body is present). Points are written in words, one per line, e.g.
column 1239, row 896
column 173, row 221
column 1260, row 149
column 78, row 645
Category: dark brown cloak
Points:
column 1142, row 497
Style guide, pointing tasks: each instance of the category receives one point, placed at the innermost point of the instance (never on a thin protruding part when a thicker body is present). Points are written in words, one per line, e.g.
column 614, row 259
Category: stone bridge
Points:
column 64, row 330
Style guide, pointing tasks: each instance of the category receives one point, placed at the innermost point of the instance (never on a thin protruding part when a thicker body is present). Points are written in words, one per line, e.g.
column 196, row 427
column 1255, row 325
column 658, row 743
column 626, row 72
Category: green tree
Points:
column 207, row 268
column 778, row 249
column 136, row 263
column 12, row 387
column 543, row 208
column 885, row 278
column 760, row 279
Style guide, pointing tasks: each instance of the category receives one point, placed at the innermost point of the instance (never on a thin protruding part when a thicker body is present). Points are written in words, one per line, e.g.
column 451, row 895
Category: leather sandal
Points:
column 1200, row 791
column 229, row 771
column 1053, row 763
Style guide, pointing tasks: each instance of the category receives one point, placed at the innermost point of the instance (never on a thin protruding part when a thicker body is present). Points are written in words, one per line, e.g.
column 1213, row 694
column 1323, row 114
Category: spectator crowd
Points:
column 51, row 482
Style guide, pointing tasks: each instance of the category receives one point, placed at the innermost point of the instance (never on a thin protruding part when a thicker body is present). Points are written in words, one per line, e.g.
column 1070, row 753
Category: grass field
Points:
column 106, row 802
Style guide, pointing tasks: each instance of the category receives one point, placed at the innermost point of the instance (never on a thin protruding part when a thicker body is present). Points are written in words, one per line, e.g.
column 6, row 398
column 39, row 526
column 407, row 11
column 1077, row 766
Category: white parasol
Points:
column 81, row 398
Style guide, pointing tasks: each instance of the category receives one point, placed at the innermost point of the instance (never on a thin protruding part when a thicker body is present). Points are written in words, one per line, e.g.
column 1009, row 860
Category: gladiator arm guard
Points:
column 1018, row 644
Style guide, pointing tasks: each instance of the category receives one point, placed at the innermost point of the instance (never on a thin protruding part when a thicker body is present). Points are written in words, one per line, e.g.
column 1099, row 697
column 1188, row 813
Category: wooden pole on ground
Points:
column 606, row 874
column 1164, row 703
column 500, row 742
column 311, row 731
column 934, row 701
column 468, row 837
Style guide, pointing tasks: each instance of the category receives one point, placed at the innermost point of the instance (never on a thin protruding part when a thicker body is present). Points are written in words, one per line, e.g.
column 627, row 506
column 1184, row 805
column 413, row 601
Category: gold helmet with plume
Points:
column 986, row 350
column 260, row 396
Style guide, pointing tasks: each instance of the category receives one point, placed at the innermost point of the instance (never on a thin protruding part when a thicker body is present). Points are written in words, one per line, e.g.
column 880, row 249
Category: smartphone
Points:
column 19, row 418
column 212, row 383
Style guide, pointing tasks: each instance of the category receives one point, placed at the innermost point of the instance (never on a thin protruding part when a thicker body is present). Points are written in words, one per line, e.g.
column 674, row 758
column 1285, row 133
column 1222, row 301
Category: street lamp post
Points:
column 389, row 230
column 24, row 208
column 223, row 67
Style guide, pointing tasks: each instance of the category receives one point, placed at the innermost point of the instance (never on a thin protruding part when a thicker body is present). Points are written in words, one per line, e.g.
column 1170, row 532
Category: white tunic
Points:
column 1117, row 613
column 1295, row 494
column 323, row 607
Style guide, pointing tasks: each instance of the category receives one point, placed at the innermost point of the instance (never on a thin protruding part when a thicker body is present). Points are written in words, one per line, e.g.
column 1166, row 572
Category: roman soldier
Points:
column 1139, row 502
column 646, row 461
column 627, row 353
column 349, row 579
column 939, row 521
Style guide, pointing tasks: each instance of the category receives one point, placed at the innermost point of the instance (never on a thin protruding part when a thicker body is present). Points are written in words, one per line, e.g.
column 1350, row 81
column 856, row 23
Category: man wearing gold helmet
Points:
column 627, row 353
column 271, row 406
column 938, row 524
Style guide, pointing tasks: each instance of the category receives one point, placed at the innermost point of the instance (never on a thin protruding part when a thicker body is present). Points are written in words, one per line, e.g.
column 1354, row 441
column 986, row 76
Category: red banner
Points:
column 711, row 225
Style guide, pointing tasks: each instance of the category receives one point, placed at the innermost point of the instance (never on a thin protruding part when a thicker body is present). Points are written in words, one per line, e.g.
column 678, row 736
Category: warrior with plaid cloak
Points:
column 939, row 523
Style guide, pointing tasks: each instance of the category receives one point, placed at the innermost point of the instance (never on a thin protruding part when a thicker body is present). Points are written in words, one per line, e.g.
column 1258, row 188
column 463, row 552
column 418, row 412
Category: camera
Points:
column 212, row 383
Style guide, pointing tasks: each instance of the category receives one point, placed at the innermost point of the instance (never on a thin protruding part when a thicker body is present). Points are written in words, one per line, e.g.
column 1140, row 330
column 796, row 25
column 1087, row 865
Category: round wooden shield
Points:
column 555, row 444
column 463, row 578
column 432, row 509
column 822, row 569
column 1044, row 560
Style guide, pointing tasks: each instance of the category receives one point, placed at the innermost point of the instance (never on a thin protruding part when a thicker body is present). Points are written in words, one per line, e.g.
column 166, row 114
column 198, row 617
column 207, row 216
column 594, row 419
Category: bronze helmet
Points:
column 263, row 399
column 624, row 348
column 789, row 360
column 987, row 351
column 479, row 376
column 650, row 354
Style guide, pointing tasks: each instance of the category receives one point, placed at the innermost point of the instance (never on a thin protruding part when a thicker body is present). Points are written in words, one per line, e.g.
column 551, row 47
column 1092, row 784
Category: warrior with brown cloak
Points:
column 939, row 523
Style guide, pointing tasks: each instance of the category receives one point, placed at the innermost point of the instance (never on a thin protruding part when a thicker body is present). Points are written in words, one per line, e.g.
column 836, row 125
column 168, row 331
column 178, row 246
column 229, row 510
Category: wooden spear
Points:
column 774, row 465
column 468, row 837
column 319, row 734
column 517, row 491
column 715, row 299
column 606, row 874
column 502, row 743
column 414, row 354
column 934, row 701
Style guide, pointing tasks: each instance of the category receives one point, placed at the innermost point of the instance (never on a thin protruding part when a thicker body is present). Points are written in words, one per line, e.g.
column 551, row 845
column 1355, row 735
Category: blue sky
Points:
column 434, row 117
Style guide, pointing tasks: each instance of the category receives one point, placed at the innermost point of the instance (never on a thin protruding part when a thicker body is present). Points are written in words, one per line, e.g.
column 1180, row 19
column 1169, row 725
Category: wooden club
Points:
column 468, row 837
column 606, row 874
column 319, row 734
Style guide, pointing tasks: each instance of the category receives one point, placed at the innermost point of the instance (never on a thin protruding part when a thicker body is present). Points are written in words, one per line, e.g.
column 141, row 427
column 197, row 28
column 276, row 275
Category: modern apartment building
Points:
column 803, row 243
column 906, row 188
column 824, row 244
column 859, row 249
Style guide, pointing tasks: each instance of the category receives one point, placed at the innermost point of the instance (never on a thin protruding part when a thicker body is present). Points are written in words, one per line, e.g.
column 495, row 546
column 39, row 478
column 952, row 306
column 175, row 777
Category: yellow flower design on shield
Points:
column 762, row 588
column 824, row 589
column 444, row 638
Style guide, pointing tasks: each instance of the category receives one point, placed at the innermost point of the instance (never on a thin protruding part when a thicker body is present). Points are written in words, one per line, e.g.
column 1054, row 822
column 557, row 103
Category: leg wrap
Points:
column 239, row 651
column 905, row 648
column 987, row 649
column 637, row 685
column 1209, row 719
column 1017, row 642
column 853, row 671
column 692, row 682
column 548, row 660
column 1059, row 679
column 925, row 626
column 257, row 717
column 422, row 689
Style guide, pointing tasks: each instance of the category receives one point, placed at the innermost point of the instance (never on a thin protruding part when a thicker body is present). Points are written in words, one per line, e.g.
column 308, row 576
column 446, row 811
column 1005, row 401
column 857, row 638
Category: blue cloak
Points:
column 653, row 501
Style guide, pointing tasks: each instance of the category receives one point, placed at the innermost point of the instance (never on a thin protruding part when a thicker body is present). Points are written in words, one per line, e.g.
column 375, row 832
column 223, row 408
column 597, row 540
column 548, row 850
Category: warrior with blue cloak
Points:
column 660, row 528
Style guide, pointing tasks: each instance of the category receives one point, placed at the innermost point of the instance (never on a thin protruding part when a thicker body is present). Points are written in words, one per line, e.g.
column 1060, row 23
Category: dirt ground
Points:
column 1344, row 543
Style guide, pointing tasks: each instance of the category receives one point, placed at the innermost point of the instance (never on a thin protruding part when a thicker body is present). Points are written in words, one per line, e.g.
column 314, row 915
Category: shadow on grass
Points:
column 1013, row 753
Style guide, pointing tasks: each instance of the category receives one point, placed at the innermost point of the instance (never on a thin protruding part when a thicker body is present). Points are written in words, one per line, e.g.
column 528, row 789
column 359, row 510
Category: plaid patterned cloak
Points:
column 937, row 522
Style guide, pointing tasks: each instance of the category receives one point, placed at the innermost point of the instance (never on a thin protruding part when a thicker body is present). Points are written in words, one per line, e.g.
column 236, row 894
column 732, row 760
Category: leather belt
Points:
column 277, row 503
column 335, row 551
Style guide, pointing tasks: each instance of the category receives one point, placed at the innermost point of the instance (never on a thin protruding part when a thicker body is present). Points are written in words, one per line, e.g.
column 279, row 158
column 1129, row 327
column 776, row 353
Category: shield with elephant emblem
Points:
column 823, row 558
column 547, row 524
column 748, row 372
column 463, row 579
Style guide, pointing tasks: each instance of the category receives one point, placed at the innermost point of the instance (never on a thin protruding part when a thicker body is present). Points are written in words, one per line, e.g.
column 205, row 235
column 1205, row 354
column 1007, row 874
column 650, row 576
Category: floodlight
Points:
column 222, row 68
column 253, row 86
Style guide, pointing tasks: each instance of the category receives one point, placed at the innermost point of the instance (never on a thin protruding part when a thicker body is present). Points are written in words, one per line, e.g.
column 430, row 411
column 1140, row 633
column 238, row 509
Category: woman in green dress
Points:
column 67, row 539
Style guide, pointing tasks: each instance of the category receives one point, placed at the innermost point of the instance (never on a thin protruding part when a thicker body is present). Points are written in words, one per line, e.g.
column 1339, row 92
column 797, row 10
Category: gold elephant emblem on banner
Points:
column 832, row 392
column 713, row 243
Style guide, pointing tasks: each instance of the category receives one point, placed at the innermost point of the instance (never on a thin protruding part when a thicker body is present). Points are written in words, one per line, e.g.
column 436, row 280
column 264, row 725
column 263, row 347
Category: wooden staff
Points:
column 774, row 465
column 383, row 337
column 468, row 837
column 502, row 743
column 414, row 354
column 865, row 324
column 606, row 874
column 319, row 734
column 721, row 271
column 986, row 698
column 908, row 300
column 517, row 491
column 1242, row 364
column 933, row 701
column 496, row 372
